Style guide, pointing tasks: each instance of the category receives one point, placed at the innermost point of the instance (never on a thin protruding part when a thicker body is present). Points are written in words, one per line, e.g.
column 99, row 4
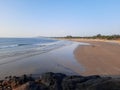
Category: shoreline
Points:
column 68, row 59
column 58, row 60
column 99, row 58
column 60, row 68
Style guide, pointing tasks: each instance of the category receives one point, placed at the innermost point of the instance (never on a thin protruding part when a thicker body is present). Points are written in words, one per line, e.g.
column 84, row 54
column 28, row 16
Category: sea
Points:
column 10, row 47
column 20, row 56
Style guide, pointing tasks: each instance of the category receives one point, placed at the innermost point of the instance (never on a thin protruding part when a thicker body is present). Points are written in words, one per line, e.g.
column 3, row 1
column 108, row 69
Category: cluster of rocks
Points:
column 59, row 81
column 13, row 82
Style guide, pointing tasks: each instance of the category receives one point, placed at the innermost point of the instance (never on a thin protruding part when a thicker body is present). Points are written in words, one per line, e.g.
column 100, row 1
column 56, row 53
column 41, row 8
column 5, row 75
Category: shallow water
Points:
column 54, row 57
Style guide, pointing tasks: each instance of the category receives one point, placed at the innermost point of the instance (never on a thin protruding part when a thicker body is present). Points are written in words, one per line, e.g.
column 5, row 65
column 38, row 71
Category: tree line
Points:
column 98, row 36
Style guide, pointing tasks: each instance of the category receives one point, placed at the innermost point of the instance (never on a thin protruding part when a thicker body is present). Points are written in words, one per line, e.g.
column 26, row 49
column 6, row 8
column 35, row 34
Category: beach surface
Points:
column 101, row 57
column 79, row 57
column 59, row 60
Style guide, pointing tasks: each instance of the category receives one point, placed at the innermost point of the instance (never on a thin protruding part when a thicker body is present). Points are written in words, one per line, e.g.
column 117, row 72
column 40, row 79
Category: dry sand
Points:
column 101, row 57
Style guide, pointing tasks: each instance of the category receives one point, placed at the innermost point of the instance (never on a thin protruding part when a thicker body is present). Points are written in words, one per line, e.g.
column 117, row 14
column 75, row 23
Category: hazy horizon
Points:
column 57, row 18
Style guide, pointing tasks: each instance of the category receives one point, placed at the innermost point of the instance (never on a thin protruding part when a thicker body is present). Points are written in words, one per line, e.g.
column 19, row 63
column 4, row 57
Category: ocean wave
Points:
column 12, row 46
column 19, row 45
column 8, row 46
column 23, row 44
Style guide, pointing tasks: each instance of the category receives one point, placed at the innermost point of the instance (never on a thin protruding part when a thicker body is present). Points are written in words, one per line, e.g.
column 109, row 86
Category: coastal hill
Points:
column 59, row 81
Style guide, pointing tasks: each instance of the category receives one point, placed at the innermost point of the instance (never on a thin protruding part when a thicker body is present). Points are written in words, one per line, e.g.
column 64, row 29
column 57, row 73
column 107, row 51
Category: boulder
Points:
column 53, row 80
column 32, row 86
column 77, row 82
column 59, row 81
column 112, row 84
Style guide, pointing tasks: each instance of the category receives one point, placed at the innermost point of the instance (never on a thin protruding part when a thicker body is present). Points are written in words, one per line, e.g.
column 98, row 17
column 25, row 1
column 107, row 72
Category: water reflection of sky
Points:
column 58, row 60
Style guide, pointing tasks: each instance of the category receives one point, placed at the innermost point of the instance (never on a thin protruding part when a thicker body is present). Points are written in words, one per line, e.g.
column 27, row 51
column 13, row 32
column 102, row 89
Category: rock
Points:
column 53, row 80
column 32, row 86
column 24, row 78
column 85, row 85
column 80, row 82
column 112, row 84
column 59, row 81
column 69, row 83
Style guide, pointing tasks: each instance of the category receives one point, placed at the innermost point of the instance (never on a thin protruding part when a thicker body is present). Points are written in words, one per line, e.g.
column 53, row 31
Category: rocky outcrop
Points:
column 59, row 81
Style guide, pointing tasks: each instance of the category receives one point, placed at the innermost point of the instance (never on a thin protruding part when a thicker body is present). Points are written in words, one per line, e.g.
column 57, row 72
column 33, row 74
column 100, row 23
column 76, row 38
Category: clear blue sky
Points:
column 29, row 18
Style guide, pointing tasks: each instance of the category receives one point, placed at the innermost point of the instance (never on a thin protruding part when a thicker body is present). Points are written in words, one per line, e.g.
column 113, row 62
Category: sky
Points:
column 31, row 18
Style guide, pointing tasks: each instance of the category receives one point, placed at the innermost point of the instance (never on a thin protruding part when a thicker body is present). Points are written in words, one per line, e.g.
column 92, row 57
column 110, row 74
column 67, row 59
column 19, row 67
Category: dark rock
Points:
column 81, row 83
column 53, row 80
column 23, row 79
column 69, row 83
column 93, row 77
column 59, row 81
column 112, row 84
column 85, row 85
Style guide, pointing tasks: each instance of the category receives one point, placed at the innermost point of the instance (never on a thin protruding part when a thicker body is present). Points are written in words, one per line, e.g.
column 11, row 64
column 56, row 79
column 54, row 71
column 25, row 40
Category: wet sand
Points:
column 101, row 57
column 59, row 60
